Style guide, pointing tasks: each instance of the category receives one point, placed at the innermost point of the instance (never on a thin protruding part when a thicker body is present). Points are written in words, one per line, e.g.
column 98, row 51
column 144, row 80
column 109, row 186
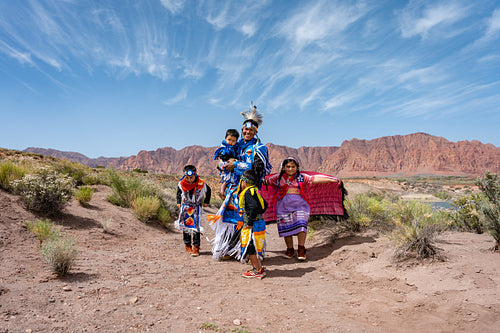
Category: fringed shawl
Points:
column 325, row 199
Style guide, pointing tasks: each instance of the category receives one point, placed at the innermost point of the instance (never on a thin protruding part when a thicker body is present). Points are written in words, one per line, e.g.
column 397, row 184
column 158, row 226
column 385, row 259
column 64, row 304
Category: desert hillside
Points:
column 399, row 155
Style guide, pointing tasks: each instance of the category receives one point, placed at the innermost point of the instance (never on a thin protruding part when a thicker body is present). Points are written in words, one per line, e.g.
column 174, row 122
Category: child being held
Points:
column 227, row 150
column 192, row 193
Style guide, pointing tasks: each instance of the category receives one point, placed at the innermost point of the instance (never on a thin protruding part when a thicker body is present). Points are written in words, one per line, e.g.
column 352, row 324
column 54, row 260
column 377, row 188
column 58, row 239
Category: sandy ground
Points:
column 138, row 278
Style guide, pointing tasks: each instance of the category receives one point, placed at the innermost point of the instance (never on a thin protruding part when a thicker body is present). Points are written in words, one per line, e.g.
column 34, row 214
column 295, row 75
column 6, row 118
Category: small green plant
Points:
column 43, row 229
column 45, row 191
column 209, row 327
column 146, row 208
column 489, row 184
column 83, row 194
column 60, row 254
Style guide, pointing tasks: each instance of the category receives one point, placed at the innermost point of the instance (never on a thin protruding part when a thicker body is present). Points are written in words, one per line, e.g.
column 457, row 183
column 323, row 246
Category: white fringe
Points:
column 223, row 233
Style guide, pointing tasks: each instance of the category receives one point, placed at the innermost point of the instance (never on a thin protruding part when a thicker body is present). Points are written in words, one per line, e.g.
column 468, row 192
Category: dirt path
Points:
column 138, row 278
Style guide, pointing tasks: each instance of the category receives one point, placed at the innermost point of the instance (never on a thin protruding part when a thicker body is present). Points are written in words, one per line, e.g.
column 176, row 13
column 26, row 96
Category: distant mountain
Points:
column 404, row 155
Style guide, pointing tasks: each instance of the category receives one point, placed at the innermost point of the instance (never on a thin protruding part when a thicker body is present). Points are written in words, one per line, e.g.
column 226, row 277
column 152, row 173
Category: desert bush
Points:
column 83, row 194
column 127, row 188
column 9, row 172
column 60, row 254
column 72, row 169
column 442, row 195
column 146, row 208
column 46, row 191
column 369, row 210
column 96, row 178
column 416, row 227
column 43, row 229
column 467, row 213
column 164, row 216
column 489, row 184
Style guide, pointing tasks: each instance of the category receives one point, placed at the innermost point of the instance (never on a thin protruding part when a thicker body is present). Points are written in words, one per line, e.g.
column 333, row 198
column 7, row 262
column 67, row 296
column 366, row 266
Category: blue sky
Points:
column 111, row 78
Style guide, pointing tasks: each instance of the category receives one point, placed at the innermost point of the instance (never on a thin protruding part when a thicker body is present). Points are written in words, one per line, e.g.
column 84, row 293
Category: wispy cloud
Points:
column 22, row 57
column 174, row 6
column 181, row 95
column 493, row 29
column 419, row 18
column 319, row 21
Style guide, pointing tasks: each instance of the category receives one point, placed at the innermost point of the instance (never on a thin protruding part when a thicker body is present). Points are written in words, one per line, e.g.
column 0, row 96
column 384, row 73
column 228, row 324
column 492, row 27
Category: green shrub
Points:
column 442, row 195
column 146, row 208
column 369, row 210
column 489, row 184
column 46, row 191
column 43, row 229
column 415, row 231
column 126, row 189
column 95, row 178
column 164, row 216
column 467, row 213
column 60, row 254
column 83, row 194
column 9, row 172
column 72, row 169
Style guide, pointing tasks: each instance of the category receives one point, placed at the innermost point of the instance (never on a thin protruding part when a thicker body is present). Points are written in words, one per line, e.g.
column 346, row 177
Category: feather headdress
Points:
column 252, row 116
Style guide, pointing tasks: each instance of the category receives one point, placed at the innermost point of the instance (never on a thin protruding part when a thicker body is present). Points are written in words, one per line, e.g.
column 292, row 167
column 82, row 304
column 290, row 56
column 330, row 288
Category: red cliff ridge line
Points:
column 402, row 155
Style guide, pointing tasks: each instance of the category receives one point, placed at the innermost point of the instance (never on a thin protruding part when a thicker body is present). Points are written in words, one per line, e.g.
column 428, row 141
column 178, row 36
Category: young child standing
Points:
column 227, row 150
column 192, row 193
column 252, row 236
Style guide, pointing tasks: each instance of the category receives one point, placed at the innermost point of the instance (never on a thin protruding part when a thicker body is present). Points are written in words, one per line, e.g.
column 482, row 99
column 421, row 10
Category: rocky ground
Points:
column 138, row 278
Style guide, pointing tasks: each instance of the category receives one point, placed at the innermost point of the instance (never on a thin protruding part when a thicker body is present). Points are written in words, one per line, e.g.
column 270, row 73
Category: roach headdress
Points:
column 253, row 118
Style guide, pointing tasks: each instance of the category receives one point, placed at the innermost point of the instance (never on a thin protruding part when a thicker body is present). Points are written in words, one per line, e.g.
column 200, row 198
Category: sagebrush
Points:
column 46, row 191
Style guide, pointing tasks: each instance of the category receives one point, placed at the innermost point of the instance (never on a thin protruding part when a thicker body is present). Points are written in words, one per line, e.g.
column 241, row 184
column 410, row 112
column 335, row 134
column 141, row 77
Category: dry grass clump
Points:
column 84, row 194
column 416, row 228
column 60, row 253
column 11, row 171
column 146, row 208
column 148, row 200
column 57, row 250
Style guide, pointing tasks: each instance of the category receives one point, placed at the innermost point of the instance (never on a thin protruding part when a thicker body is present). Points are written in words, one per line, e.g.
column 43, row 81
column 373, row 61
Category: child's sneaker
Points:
column 196, row 251
column 188, row 248
column 253, row 273
column 290, row 252
column 301, row 253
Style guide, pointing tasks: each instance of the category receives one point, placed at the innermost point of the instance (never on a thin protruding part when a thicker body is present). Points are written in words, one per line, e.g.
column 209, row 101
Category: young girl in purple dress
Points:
column 292, row 205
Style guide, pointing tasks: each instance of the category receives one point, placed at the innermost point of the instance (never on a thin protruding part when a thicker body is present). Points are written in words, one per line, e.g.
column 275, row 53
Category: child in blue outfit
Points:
column 192, row 194
column 227, row 150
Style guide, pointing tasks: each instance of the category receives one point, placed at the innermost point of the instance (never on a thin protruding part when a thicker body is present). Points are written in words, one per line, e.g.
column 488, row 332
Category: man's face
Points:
column 190, row 179
column 248, row 133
